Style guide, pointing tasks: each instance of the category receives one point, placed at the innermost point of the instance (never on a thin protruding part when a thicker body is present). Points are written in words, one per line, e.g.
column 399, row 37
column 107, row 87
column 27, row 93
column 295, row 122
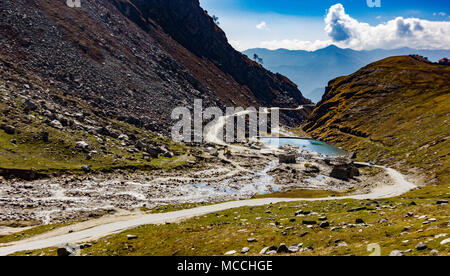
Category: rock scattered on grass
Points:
column 132, row 237
column 283, row 248
column 396, row 253
column 8, row 129
column 445, row 241
column 421, row 246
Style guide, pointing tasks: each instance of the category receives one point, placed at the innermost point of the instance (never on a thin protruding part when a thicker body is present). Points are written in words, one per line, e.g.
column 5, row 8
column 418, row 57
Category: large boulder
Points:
column 344, row 172
column 8, row 129
column 68, row 250
column 56, row 124
column 82, row 145
column 29, row 106
column 289, row 158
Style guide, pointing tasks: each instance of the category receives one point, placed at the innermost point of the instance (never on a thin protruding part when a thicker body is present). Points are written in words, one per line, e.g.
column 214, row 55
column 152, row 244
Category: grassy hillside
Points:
column 386, row 223
column 395, row 111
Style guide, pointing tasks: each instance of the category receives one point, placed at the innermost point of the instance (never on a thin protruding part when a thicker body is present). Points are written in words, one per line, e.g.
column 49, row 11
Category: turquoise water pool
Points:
column 305, row 144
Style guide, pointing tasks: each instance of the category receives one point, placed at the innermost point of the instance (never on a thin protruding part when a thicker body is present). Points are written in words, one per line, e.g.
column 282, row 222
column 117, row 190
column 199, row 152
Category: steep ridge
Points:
column 394, row 111
column 130, row 64
column 192, row 27
column 108, row 75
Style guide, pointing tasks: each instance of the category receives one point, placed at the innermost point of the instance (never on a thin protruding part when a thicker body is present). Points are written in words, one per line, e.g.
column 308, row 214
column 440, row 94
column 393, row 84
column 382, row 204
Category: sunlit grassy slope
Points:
column 395, row 111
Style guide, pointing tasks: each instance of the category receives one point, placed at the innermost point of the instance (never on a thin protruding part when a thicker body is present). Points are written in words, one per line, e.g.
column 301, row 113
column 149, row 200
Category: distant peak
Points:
column 332, row 46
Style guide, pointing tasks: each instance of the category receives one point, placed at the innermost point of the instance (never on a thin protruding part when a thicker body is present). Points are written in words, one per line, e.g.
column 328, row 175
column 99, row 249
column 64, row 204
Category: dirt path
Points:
column 96, row 229
column 401, row 186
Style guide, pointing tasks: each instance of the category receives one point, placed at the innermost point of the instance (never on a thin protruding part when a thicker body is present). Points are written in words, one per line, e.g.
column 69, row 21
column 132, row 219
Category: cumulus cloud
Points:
column 262, row 26
column 347, row 32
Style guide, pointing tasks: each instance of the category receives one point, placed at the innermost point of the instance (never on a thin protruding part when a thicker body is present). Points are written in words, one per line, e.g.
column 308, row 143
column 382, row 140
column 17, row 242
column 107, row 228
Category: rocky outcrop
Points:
column 288, row 158
column 444, row 61
column 344, row 172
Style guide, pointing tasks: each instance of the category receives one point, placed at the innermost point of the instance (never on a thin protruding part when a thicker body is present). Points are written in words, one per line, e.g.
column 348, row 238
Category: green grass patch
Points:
column 217, row 233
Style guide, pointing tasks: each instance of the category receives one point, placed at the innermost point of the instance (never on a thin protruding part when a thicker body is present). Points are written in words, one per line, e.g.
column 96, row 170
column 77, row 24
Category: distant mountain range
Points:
column 311, row 71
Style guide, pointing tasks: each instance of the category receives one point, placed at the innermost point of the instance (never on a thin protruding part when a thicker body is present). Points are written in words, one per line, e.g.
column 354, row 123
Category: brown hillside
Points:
column 394, row 111
column 129, row 59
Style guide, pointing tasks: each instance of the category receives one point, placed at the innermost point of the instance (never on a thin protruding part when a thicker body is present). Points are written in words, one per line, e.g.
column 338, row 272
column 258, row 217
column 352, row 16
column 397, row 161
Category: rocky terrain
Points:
column 221, row 176
column 133, row 61
column 92, row 88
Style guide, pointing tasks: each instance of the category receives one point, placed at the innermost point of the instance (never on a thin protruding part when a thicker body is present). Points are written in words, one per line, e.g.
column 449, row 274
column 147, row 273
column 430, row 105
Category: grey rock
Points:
column 421, row 246
column 396, row 253
column 264, row 251
column 132, row 237
column 82, row 145
column 344, row 172
column 245, row 250
column 29, row 106
column 232, row 252
column 445, row 241
column 8, row 129
column 67, row 250
column 301, row 212
column 283, row 248
column 56, row 124
column 287, row 158
column 303, row 234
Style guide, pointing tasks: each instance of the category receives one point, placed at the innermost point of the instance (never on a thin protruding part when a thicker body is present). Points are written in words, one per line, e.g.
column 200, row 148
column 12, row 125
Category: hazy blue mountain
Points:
column 312, row 70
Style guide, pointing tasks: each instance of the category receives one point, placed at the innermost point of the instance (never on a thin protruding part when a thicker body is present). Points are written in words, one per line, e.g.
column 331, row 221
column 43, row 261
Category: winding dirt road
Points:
column 90, row 232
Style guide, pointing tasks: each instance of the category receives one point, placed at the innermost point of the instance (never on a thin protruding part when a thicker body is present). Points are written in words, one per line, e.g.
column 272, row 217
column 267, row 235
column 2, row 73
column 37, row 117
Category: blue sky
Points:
column 303, row 21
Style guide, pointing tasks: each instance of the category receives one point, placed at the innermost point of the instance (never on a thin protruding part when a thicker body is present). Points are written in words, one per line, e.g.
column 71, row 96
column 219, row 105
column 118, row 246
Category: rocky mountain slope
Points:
column 314, row 69
column 395, row 111
column 109, row 74
column 136, row 60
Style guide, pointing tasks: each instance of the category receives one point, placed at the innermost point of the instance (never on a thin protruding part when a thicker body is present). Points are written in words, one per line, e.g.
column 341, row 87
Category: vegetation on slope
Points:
column 26, row 154
column 395, row 111
column 394, row 224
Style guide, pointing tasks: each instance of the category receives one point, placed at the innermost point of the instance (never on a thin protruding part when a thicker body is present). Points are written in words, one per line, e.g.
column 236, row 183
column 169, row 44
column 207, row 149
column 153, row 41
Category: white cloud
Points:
column 295, row 44
column 237, row 45
column 262, row 26
column 347, row 32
